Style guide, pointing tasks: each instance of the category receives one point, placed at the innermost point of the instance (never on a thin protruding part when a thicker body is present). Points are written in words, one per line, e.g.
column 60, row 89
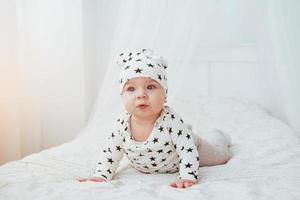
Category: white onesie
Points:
column 171, row 147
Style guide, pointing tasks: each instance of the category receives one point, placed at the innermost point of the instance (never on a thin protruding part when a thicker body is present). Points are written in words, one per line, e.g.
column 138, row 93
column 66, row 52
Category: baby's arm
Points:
column 187, row 150
column 110, row 158
column 93, row 178
column 183, row 183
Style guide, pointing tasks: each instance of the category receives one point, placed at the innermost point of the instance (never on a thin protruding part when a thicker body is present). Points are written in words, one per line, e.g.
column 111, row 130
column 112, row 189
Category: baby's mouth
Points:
column 142, row 106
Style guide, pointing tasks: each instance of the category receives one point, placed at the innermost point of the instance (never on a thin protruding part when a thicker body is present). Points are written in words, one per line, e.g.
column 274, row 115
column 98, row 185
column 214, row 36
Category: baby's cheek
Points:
column 159, row 102
column 127, row 104
column 128, row 107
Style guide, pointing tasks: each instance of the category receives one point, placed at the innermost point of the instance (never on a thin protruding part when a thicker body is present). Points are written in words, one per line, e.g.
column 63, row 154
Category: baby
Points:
column 151, row 134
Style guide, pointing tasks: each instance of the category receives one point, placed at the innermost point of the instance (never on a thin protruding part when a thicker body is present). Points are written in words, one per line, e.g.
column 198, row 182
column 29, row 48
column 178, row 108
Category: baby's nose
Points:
column 142, row 93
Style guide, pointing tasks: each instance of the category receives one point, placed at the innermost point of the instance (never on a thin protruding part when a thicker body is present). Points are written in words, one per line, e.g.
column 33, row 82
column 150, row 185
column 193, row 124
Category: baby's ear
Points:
column 164, row 63
column 161, row 61
column 122, row 59
column 147, row 52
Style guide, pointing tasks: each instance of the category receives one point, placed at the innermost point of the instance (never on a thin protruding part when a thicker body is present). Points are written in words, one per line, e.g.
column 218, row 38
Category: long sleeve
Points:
column 185, row 147
column 111, row 155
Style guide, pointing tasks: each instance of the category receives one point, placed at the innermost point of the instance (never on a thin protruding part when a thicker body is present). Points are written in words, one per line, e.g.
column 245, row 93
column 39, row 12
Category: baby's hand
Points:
column 184, row 183
column 93, row 178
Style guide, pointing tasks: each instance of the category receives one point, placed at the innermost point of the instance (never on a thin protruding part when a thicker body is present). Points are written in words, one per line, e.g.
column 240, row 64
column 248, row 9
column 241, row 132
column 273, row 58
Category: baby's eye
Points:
column 130, row 89
column 151, row 87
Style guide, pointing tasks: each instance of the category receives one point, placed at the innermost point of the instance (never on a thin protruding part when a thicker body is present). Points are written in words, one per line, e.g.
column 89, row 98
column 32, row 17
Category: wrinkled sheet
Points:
column 265, row 161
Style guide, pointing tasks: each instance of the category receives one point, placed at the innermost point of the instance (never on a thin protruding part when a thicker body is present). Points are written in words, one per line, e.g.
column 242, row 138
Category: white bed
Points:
column 265, row 161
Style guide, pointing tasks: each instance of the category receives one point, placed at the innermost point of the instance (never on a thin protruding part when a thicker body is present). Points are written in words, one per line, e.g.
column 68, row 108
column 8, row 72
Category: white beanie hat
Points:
column 142, row 64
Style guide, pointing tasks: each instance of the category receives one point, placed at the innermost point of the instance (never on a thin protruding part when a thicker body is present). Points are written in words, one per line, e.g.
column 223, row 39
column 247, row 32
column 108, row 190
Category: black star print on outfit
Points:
column 158, row 154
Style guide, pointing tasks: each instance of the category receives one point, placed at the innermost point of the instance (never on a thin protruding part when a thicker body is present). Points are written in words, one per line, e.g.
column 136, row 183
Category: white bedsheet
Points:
column 265, row 162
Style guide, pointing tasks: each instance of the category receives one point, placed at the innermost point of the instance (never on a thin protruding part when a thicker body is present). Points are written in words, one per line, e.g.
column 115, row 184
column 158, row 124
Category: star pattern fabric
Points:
column 171, row 147
column 142, row 64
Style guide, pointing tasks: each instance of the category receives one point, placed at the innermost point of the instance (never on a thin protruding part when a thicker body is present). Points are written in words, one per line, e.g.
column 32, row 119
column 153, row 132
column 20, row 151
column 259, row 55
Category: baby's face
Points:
column 143, row 97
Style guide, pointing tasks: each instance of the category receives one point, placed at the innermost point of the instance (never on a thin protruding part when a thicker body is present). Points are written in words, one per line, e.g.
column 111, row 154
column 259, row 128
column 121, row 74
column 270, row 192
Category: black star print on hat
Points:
column 159, row 76
column 138, row 70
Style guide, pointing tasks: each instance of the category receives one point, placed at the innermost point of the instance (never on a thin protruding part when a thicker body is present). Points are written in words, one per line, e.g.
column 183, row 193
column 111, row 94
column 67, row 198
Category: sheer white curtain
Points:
column 43, row 90
column 180, row 32
column 183, row 32
column 279, row 50
column 19, row 121
column 9, row 87
column 54, row 54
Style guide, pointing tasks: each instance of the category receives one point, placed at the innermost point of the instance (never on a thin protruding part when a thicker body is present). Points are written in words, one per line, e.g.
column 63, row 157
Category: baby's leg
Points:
column 213, row 148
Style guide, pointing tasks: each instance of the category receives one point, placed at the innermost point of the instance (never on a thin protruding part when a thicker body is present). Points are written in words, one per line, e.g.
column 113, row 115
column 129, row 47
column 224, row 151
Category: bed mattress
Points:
column 265, row 162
